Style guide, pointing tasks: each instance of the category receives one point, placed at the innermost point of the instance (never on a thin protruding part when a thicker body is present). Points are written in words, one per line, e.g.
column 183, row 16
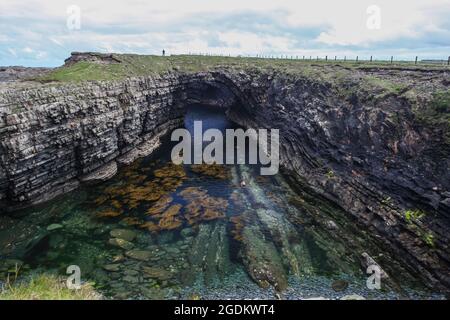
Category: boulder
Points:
column 121, row 243
column 141, row 255
column 124, row 234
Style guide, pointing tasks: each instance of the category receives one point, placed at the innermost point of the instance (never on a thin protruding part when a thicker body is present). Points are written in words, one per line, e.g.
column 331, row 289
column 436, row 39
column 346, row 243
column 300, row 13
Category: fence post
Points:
column 416, row 60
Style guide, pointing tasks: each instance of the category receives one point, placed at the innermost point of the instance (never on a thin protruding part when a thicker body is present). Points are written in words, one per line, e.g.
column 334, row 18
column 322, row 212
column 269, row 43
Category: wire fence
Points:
column 335, row 58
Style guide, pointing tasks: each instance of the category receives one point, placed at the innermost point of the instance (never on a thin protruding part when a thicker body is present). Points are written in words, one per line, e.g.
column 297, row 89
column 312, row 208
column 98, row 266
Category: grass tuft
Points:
column 46, row 287
column 437, row 114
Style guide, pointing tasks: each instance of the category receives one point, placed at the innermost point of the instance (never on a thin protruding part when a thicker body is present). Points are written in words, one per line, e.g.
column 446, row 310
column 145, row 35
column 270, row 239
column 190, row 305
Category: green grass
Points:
column 428, row 238
column 389, row 87
column 413, row 219
column 132, row 65
column 85, row 71
column 437, row 113
column 46, row 287
column 330, row 174
column 413, row 215
column 441, row 102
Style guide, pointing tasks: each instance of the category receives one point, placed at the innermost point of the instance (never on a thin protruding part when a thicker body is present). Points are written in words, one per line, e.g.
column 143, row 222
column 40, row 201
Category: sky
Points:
column 44, row 32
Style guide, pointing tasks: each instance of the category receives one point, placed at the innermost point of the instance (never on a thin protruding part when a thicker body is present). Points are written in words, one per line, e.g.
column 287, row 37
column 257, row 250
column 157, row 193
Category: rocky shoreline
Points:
column 361, row 148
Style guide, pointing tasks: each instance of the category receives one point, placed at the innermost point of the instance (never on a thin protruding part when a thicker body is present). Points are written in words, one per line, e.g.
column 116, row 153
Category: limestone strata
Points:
column 102, row 174
column 91, row 57
column 53, row 135
column 150, row 142
column 358, row 146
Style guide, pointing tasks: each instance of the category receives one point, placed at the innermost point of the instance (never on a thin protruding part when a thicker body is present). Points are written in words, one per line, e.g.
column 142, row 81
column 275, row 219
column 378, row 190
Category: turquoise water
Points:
column 160, row 231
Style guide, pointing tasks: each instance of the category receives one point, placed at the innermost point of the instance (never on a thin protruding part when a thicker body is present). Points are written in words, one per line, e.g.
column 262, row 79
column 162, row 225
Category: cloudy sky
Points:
column 44, row 32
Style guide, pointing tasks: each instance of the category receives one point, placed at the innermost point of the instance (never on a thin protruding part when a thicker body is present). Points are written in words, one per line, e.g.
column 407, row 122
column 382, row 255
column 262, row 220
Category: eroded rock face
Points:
column 19, row 73
column 91, row 57
column 71, row 131
column 360, row 148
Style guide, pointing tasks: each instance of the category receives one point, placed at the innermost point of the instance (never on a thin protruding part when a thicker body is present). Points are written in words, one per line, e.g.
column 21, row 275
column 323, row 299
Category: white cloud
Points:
column 399, row 16
column 398, row 19
column 56, row 41
column 250, row 43
column 147, row 26
column 4, row 38
column 12, row 52
column 41, row 55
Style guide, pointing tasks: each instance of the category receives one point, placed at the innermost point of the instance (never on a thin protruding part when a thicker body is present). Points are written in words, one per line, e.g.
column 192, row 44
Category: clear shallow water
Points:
column 160, row 231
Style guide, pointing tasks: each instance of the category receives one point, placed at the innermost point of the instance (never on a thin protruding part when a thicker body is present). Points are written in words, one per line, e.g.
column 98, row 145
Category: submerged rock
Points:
column 121, row 243
column 339, row 285
column 262, row 260
column 54, row 226
column 141, row 255
column 186, row 232
column 331, row 225
column 118, row 258
column 112, row 267
column 157, row 273
column 124, row 234
column 131, row 279
column 208, row 254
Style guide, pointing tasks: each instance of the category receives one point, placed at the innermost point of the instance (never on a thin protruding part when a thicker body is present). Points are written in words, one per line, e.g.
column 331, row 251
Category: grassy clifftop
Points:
column 131, row 65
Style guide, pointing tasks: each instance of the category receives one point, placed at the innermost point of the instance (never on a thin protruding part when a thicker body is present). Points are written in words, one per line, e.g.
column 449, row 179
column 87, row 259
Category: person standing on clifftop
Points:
column 164, row 52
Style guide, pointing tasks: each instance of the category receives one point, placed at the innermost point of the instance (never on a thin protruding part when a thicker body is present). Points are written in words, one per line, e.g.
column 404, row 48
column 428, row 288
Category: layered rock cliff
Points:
column 367, row 146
